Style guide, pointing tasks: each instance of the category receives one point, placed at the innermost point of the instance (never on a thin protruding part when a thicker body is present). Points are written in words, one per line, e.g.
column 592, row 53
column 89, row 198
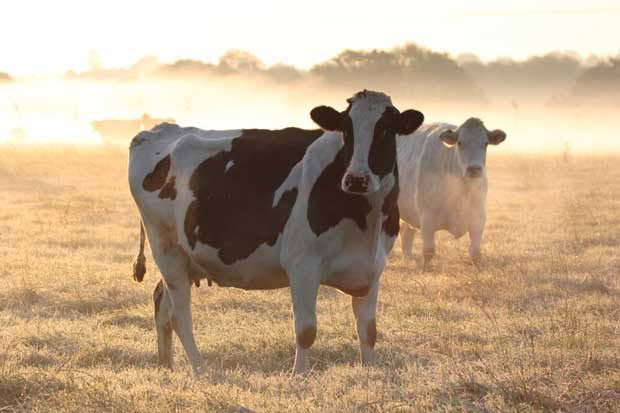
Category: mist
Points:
column 550, row 103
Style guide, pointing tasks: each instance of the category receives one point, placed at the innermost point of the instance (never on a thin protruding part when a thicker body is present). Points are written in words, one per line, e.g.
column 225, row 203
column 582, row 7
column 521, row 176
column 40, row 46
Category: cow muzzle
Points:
column 357, row 184
column 473, row 171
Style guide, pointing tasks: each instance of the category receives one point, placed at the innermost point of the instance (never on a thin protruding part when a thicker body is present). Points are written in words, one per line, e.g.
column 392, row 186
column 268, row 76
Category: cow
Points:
column 262, row 209
column 444, row 184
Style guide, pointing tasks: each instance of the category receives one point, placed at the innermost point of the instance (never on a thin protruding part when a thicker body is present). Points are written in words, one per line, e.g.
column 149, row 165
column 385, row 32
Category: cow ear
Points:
column 449, row 137
column 496, row 137
column 327, row 118
column 409, row 121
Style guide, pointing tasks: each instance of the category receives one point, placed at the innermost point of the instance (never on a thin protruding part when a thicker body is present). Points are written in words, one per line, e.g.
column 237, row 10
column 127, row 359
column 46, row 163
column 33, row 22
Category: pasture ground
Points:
column 536, row 329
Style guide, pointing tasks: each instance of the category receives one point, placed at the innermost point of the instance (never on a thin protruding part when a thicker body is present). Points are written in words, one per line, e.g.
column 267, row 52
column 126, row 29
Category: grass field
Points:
column 536, row 329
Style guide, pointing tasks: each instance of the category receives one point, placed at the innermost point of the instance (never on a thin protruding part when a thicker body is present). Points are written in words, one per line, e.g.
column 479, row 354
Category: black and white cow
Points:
column 263, row 209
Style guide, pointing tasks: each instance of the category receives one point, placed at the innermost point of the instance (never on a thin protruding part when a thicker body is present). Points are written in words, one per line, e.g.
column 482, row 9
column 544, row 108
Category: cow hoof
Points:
column 476, row 260
column 428, row 258
column 475, row 255
column 165, row 363
column 369, row 358
column 298, row 374
column 199, row 372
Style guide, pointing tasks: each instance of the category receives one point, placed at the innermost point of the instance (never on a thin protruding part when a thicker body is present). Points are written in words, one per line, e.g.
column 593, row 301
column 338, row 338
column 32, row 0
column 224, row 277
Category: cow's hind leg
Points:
column 364, row 309
column 428, row 246
column 163, row 325
column 181, row 320
column 174, row 266
column 407, row 234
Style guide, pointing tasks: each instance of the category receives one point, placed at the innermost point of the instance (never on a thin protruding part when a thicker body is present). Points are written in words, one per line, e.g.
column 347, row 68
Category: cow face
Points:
column 369, row 127
column 470, row 141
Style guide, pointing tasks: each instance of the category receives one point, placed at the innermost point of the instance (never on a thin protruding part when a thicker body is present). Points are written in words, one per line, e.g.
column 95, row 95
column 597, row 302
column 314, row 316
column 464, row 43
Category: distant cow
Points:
column 119, row 129
column 444, row 183
column 262, row 209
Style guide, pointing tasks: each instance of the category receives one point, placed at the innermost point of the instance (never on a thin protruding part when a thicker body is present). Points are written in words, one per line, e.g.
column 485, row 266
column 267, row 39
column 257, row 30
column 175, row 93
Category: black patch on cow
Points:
column 233, row 209
column 156, row 179
column 347, row 137
column 169, row 191
column 390, row 208
column 329, row 204
column 382, row 154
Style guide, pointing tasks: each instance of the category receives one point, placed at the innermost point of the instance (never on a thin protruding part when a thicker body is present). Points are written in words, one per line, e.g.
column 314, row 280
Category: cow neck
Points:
column 384, row 212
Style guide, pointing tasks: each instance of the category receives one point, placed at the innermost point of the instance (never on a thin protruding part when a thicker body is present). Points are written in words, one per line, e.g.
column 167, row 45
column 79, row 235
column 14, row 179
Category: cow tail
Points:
column 139, row 265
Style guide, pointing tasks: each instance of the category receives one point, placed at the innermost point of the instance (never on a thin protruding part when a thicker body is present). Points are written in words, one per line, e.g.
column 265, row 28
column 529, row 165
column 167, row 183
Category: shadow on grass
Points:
column 118, row 319
column 280, row 357
column 576, row 287
column 116, row 357
column 470, row 394
column 27, row 302
column 16, row 389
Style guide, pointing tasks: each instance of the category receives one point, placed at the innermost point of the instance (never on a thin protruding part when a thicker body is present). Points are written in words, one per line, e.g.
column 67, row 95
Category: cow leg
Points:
column 428, row 246
column 304, row 290
column 475, row 242
column 407, row 234
column 163, row 325
column 364, row 309
column 182, row 322
column 174, row 266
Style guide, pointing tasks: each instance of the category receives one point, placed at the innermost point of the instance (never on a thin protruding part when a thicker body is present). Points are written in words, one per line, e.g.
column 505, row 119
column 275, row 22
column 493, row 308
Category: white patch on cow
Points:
column 366, row 109
column 229, row 164
column 291, row 181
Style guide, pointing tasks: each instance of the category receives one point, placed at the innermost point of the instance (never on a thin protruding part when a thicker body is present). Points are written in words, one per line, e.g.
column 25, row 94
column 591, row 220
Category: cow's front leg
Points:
column 407, row 234
column 364, row 309
column 181, row 321
column 428, row 245
column 475, row 242
column 304, row 290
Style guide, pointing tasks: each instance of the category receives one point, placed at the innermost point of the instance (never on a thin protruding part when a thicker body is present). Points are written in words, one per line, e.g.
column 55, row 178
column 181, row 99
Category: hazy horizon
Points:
column 548, row 75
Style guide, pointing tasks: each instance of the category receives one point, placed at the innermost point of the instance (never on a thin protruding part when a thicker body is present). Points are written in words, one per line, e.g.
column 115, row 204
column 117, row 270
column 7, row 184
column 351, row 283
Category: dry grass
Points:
column 537, row 329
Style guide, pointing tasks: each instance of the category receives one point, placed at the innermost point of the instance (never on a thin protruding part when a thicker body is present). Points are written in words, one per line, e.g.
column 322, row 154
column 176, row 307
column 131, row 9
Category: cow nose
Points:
column 474, row 171
column 356, row 184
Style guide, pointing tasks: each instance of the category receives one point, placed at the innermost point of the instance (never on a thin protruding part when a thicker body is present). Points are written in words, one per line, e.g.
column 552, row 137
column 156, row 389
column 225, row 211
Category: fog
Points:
column 550, row 103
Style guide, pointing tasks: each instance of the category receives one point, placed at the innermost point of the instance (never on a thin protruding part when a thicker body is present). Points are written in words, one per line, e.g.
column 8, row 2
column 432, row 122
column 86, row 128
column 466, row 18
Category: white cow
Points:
column 263, row 209
column 444, row 183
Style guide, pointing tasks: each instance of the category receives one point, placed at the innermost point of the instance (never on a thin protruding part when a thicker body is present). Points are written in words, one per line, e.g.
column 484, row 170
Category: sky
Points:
column 41, row 38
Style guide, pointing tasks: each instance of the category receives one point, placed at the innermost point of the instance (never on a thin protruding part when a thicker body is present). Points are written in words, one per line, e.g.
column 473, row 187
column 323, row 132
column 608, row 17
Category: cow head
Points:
column 471, row 140
column 369, row 127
